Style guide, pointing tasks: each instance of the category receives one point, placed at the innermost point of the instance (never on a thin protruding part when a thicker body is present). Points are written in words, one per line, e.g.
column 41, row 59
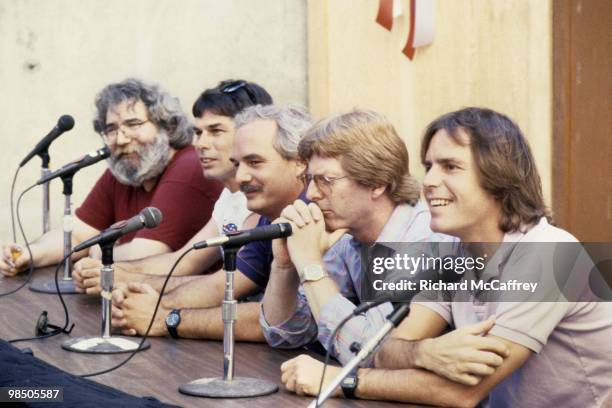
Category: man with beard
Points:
column 269, row 172
column 214, row 113
column 152, row 163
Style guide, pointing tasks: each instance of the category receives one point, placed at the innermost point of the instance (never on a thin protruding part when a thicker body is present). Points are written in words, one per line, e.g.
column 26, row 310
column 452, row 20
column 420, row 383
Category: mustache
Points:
column 249, row 188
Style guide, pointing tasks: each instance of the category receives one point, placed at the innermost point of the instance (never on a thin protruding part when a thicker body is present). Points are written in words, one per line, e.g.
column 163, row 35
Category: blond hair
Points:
column 369, row 150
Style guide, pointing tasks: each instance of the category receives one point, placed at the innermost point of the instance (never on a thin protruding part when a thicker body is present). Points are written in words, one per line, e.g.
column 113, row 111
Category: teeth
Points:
column 439, row 202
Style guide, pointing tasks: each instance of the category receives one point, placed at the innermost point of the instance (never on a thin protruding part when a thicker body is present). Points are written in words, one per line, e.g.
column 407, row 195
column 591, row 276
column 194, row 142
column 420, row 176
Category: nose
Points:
column 201, row 142
column 432, row 178
column 242, row 175
column 122, row 139
column 312, row 192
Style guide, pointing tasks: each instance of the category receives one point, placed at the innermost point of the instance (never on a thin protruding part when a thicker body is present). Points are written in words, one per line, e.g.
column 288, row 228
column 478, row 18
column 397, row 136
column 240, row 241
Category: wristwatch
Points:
column 349, row 384
column 312, row 273
column 172, row 321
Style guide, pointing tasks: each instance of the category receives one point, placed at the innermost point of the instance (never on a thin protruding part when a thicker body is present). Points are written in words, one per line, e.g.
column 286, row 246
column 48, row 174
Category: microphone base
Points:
column 66, row 286
column 239, row 387
column 101, row 345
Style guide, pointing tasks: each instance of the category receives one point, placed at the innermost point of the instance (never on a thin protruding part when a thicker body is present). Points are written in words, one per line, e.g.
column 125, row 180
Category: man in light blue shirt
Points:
column 359, row 182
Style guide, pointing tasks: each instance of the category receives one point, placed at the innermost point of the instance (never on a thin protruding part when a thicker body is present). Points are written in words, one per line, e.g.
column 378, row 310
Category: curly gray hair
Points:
column 164, row 110
column 292, row 122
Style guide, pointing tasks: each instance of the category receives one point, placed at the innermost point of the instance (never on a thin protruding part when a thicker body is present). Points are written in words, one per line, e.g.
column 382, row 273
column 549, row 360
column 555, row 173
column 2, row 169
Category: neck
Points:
column 149, row 184
column 485, row 241
column 374, row 221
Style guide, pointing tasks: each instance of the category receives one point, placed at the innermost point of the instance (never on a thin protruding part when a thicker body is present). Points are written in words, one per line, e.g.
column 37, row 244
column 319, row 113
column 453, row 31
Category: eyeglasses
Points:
column 235, row 86
column 128, row 128
column 323, row 183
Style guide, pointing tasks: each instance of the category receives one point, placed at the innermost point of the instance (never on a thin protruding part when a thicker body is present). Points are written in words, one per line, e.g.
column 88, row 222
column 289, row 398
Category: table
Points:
column 155, row 372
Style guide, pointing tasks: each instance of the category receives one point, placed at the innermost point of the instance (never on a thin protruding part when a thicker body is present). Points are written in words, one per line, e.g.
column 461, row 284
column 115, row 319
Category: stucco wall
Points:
column 495, row 54
column 56, row 55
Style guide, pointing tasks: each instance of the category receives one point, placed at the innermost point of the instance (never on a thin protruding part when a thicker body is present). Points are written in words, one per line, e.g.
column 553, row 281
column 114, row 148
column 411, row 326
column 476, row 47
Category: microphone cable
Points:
column 31, row 263
column 58, row 330
column 330, row 343
column 144, row 338
column 14, row 231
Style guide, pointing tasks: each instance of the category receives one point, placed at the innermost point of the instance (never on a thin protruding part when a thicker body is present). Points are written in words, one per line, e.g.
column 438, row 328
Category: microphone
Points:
column 239, row 238
column 74, row 166
column 64, row 124
column 149, row 217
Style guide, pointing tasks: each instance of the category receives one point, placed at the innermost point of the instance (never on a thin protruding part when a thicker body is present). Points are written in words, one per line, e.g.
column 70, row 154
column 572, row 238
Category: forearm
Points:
column 397, row 353
column 48, row 249
column 157, row 282
column 208, row 323
column 416, row 386
column 191, row 264
column 139, row 249
column 280, row 300
column 208, row 290
column 319, row 293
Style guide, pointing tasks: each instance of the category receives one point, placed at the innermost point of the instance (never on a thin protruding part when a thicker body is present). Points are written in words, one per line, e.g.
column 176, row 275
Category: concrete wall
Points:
column 495, row 54
column 56, row 55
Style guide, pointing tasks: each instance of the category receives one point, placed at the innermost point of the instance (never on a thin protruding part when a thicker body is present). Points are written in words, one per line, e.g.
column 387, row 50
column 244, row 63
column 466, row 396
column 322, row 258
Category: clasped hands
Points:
column 309, row 239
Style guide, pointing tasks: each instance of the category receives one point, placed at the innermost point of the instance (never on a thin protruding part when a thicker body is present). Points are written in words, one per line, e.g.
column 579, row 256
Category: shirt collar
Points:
column 401, row 220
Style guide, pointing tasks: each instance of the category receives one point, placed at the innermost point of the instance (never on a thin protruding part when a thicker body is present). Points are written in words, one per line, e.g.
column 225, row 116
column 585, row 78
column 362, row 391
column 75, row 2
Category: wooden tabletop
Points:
column 156, row 372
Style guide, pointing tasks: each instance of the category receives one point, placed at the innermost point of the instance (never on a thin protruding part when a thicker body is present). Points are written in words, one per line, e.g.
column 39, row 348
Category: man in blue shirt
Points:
column 269, row 173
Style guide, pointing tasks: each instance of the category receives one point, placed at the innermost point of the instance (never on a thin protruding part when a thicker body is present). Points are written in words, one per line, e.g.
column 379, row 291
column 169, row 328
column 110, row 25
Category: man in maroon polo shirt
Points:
column 152, row 163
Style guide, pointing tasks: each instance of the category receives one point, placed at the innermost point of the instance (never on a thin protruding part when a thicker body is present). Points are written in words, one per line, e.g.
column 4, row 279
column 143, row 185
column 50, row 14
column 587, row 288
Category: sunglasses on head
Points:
column 235, row 86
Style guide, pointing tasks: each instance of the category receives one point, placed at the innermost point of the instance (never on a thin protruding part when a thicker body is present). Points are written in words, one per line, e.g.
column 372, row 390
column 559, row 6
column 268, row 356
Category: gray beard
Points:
column 153, row 159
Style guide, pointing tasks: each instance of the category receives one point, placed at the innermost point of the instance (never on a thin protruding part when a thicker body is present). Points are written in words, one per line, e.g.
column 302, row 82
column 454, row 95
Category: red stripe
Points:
column 385, row 14
column 409, row 47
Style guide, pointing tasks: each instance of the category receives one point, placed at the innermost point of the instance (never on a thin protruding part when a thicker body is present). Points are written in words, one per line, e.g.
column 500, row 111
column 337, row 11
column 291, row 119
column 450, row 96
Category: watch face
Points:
column 173, row 319
column 349, row 381
column 313, row 272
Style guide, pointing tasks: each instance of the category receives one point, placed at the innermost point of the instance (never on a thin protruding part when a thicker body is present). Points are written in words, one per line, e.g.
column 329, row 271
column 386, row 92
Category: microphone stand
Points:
column 44, row 170
column 66, row 284
column 392, row 321
column 228, row 386
column 105, row 343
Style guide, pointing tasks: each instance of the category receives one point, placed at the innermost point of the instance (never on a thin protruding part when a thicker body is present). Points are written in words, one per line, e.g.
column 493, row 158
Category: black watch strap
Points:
column 349, row 384
column 173, row 328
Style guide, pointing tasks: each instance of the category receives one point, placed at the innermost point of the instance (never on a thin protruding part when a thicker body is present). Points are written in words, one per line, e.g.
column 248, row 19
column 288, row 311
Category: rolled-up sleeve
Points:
column 359, row 329
column 298, row 330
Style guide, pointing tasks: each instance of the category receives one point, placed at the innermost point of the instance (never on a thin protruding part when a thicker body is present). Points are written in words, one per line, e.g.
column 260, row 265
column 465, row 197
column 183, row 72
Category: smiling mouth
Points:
column 207, row 161
column 439, row 202
column 130, row 155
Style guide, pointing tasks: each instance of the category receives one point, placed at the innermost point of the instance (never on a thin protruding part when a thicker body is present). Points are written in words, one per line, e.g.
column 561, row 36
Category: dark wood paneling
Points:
column 582, row 145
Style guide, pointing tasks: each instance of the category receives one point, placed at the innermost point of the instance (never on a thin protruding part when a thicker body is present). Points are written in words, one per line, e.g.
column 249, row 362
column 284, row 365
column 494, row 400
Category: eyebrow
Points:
column 444, row 160
column 252, row 157
column 125, row 121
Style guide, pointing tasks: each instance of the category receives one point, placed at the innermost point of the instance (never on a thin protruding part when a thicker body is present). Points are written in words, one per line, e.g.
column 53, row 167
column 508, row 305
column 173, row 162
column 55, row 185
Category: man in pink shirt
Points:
column 482, row 186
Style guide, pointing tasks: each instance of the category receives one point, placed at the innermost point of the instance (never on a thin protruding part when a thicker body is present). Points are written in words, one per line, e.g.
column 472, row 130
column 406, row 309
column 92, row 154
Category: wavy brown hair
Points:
column 506, row 167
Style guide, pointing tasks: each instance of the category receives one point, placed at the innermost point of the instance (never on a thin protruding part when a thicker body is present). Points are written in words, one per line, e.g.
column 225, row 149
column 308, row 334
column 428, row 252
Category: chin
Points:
column 439, row 228
column 332, row 225
column 211, row 174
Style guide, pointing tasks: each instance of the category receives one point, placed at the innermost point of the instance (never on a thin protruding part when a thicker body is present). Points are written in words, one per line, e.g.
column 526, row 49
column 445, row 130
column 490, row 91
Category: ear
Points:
column 378, row 192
